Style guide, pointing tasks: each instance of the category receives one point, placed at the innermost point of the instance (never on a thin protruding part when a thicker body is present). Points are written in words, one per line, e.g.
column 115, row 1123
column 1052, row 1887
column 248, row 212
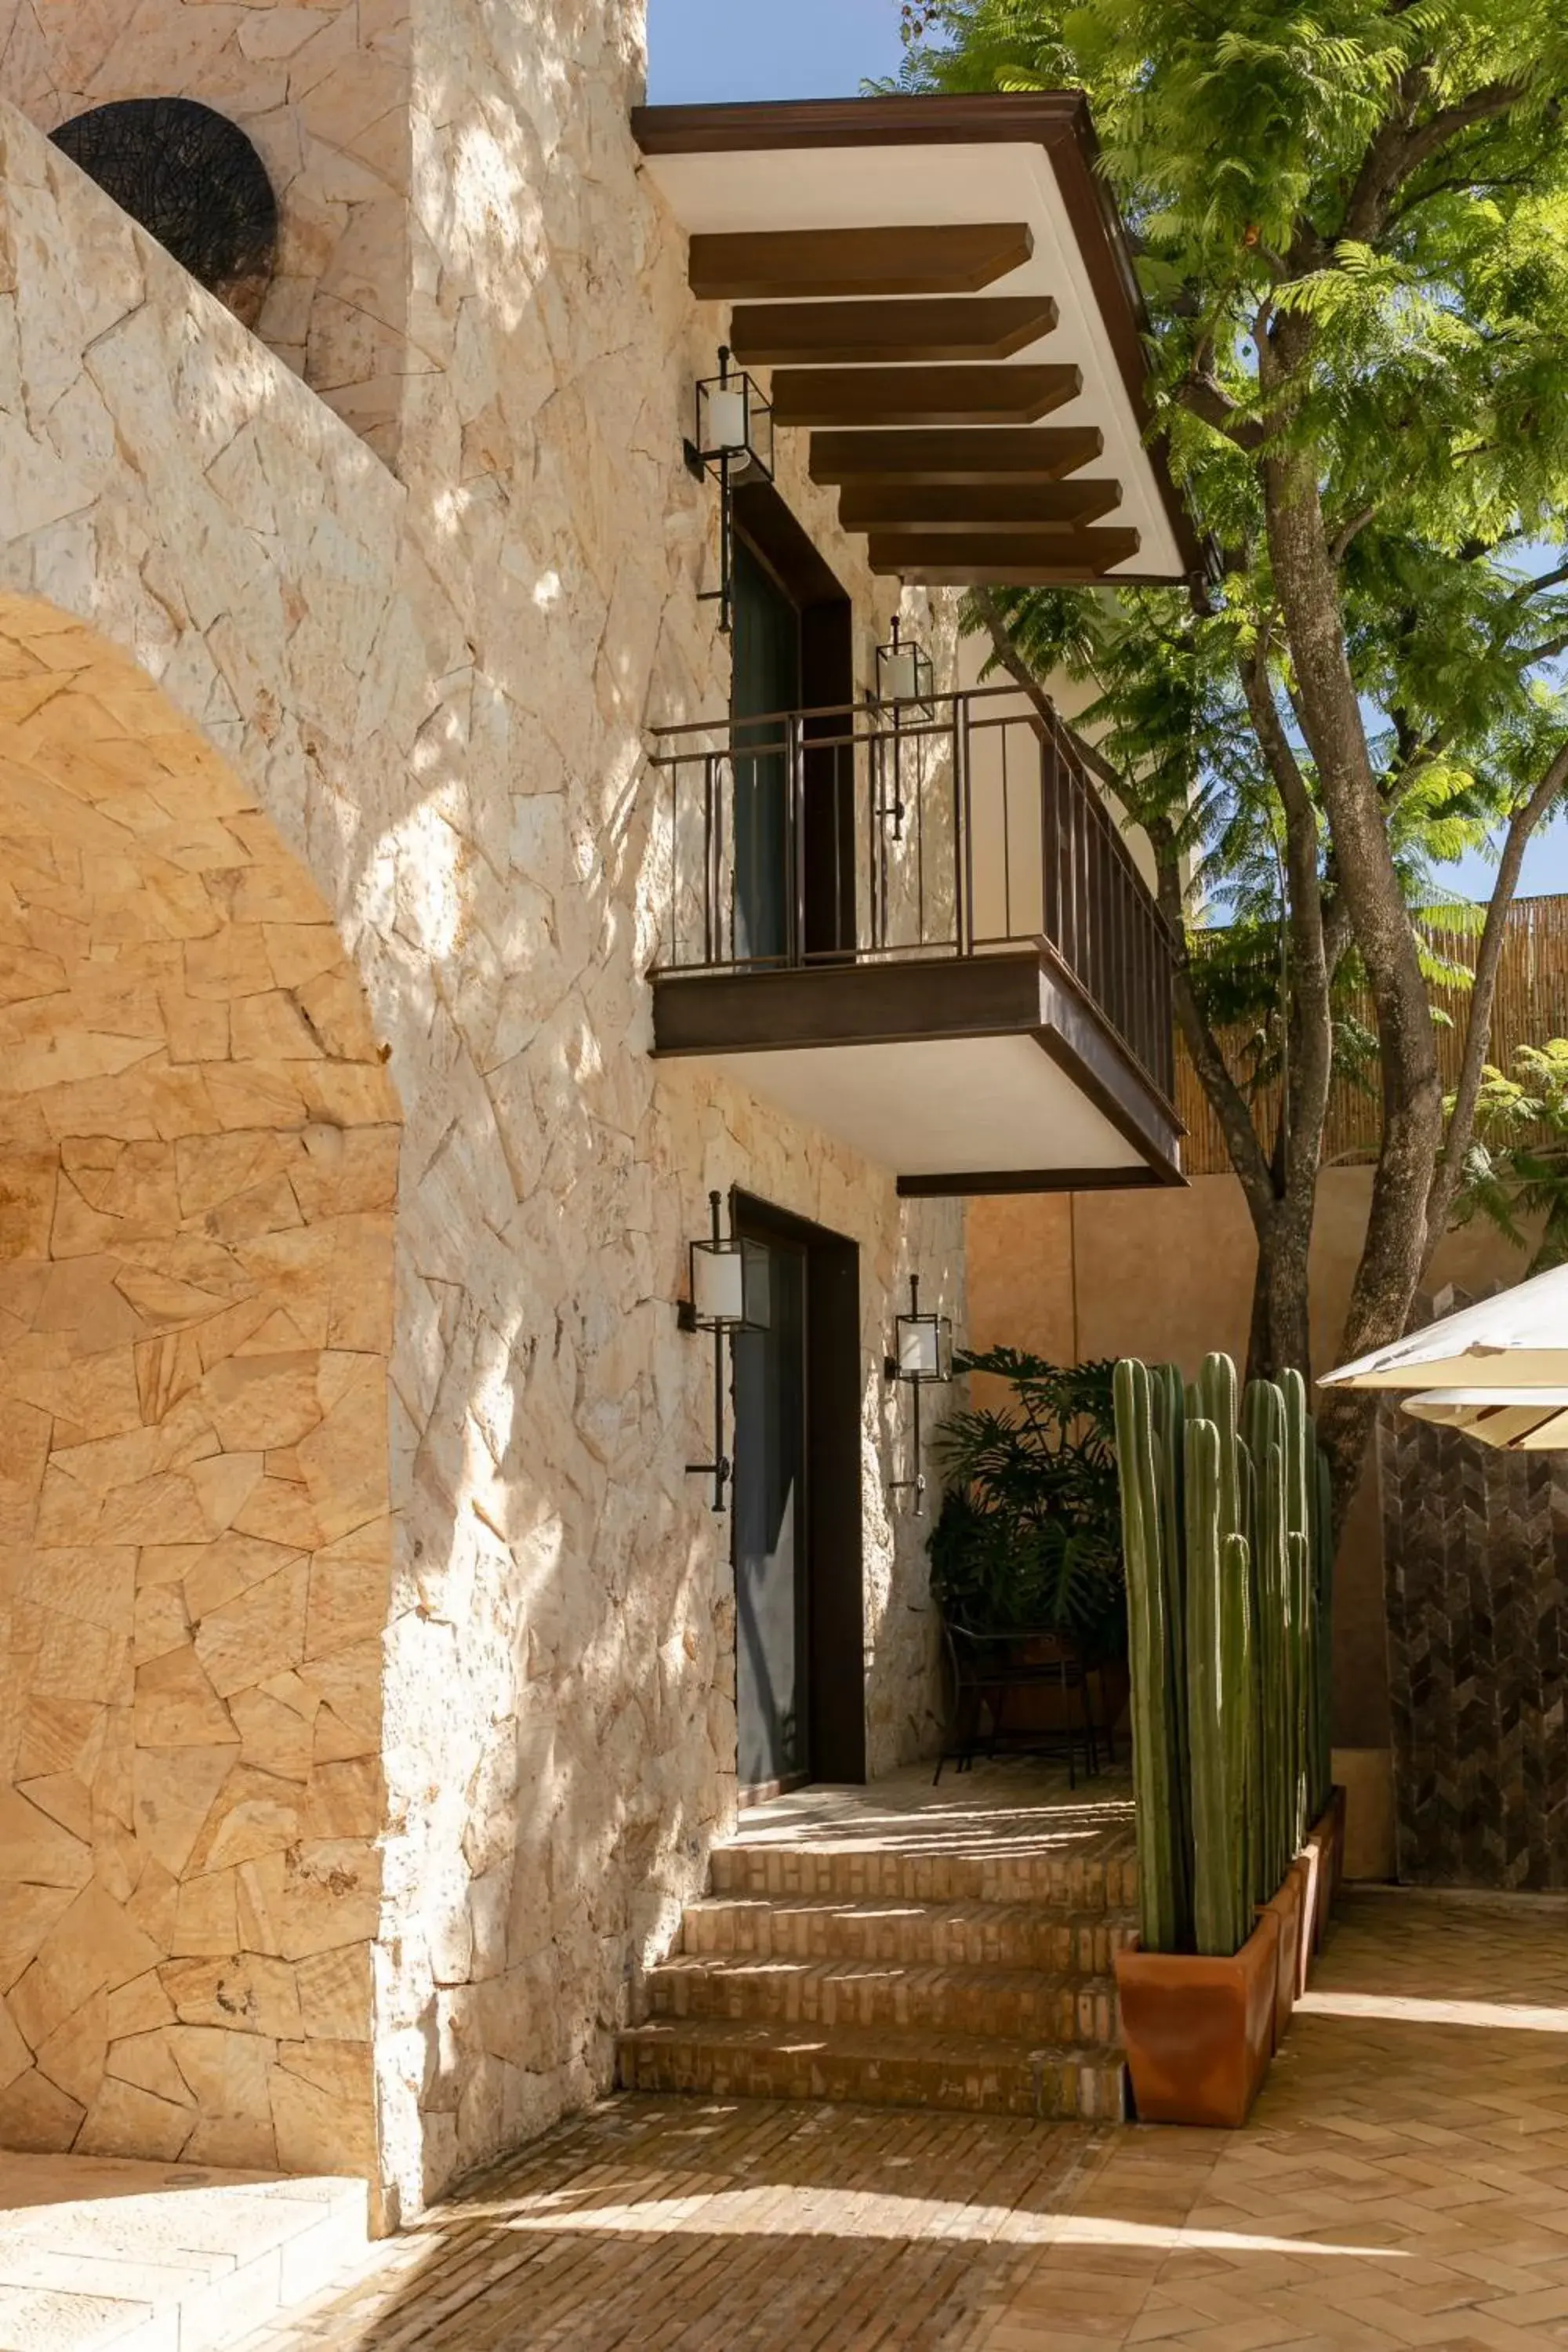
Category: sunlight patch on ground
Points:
column 804, row 2212
column 1404, row 2008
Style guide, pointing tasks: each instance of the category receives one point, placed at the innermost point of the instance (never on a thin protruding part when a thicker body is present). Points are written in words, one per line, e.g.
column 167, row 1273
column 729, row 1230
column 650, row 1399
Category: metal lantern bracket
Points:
column 924, row 1359
column 906, row 688
column 728, row 1295
column 733, row 435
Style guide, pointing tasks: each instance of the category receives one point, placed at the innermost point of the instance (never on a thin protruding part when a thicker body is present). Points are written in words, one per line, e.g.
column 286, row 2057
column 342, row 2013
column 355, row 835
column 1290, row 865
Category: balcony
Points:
column 919, row 930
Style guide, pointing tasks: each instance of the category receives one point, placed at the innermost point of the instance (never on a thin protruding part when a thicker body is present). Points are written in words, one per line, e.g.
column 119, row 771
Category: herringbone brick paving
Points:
column 1403, row 2183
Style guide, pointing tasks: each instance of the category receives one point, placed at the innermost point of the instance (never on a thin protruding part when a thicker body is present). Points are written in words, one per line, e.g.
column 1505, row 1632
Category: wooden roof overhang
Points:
column 944, row 291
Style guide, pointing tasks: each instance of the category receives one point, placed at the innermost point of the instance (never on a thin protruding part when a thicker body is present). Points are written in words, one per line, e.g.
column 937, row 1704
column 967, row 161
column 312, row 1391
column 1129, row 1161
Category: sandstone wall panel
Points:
column 162, row 1384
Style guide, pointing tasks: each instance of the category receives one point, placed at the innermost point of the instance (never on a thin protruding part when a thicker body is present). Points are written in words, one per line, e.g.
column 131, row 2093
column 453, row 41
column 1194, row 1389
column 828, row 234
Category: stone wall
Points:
column 322, row 89
column 198, row 1157
column 435, row 683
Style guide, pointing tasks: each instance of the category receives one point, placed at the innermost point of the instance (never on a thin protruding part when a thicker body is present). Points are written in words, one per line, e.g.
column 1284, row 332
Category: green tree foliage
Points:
column 1516, row 1170
column 1352, row 227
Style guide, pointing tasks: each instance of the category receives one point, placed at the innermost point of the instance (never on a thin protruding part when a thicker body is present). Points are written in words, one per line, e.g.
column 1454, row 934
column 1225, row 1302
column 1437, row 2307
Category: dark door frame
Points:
column 827, row 684
column 834, row 1675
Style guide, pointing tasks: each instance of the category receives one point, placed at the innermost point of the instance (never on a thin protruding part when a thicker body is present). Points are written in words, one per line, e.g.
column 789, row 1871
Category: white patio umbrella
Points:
column 1516, row 1420
column 1517, row 1340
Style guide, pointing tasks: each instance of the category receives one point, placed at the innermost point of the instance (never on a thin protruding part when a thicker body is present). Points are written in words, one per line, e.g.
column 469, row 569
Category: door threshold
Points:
column 760, row 1792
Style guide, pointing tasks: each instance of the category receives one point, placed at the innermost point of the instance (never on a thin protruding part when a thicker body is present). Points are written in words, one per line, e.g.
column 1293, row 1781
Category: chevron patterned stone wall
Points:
column 1475, row 1555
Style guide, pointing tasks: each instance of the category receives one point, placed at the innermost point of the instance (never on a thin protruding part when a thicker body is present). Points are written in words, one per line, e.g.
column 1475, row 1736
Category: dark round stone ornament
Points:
column 194, row 181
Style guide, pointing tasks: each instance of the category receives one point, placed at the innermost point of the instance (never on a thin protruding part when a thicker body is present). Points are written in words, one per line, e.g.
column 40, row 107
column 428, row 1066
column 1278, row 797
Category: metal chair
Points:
column 985, row 1669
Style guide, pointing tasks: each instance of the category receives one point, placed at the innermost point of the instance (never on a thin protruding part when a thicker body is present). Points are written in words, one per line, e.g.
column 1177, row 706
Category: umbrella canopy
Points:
column 1516, row 1420
column 1516, row 1340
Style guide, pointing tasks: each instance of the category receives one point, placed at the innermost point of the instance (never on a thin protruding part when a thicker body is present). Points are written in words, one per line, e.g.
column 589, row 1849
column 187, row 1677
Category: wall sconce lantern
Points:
column 923, row 1359
column 728, row 1294
column 906, row 676
column 735, row 437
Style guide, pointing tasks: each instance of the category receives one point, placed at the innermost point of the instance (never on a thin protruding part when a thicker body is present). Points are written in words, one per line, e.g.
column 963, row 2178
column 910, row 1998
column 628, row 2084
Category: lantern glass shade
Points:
column 734, row 423
column 724, row 418
column 925, row 1348
column 905, row 673
column 729, row 1286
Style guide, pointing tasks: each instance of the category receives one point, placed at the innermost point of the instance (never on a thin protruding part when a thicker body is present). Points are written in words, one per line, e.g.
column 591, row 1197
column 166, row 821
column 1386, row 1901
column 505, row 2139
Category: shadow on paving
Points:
column 1402, row 2182
column 656, row 2223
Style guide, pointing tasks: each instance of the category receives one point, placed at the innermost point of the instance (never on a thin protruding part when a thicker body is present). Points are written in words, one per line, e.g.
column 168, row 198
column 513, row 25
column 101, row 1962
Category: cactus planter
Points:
column 1229, row 1557
column 1200, row 2030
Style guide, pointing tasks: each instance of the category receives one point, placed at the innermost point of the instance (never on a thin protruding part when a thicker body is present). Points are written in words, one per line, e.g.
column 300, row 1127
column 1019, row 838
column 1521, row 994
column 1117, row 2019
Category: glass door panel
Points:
column 765, row 650
column 770, row 1531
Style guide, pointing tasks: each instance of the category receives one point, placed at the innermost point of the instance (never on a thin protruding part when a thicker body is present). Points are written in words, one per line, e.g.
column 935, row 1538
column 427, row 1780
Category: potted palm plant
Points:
column 1027, row 1543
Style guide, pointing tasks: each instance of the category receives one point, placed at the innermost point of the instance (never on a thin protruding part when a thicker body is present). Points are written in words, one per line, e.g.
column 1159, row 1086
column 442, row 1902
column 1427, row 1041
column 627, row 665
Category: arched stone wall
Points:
column 199, row 1153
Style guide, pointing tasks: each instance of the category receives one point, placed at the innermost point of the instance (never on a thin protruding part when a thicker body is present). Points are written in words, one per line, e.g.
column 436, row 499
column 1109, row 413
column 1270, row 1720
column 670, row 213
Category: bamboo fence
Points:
column 1531, row 1005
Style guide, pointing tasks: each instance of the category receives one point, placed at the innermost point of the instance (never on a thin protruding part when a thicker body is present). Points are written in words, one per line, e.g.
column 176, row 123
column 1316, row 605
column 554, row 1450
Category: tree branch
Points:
column 1224, row 1096
column 1400, row 149
column 1483, row 994
column 1206, row 397
column 1009, row 658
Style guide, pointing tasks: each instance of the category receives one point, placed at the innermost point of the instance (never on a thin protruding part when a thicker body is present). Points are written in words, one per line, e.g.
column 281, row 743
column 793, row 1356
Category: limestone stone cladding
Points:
column 322, row 92
column 415, row 695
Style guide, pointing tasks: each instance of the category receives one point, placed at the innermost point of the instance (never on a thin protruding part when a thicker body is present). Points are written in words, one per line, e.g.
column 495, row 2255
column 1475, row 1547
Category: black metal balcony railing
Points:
column 867, row 835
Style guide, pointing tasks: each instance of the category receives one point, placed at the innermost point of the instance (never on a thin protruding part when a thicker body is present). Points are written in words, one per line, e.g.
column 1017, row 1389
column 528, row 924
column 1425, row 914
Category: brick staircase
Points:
column 899, row 1973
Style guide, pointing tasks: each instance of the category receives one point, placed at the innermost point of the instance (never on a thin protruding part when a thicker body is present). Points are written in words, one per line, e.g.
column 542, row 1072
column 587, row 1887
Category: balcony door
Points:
column 799, row 1607
column 771, row 1531
column 766, row 653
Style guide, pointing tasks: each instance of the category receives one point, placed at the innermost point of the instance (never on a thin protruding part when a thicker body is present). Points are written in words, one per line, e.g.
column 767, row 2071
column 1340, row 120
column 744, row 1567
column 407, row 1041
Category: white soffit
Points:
column 934, row 185
column 938, row 1107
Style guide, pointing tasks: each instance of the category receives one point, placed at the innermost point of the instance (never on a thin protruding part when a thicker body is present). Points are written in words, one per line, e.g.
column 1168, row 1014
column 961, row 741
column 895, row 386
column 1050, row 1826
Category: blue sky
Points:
column 701, row 50
column 705, row 50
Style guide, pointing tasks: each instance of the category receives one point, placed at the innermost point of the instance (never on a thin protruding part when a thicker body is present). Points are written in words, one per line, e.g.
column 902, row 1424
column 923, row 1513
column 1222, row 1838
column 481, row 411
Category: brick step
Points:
column 963, row 2073
column 862, row 1875
column 1014, row 2004
column 942, row 1935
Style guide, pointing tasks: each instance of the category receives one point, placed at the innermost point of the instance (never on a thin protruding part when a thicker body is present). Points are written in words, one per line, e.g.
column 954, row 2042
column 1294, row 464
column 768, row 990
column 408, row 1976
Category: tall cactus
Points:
column 1217, row 1619
column 1323, row 1680
column 1163, row 1894
column 1229, row 1557
column 1168, row 1402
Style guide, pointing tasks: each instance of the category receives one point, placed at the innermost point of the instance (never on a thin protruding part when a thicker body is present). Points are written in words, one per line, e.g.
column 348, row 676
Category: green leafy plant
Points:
column 1028, row 1533
column 1516, row 1170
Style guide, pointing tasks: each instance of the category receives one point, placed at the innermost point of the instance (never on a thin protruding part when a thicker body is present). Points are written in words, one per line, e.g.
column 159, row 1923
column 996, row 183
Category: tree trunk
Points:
column 1391, row 1263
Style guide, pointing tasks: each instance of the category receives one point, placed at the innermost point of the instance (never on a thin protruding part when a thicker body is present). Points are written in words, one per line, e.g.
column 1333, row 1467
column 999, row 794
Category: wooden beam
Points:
column 800, row 265
column 970, row 506
column 1046, row 559
column 999, row 454
column 947, row 327
column 921, row 396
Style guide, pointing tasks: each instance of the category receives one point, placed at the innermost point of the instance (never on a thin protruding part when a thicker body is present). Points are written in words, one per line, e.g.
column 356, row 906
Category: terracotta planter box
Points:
column 1320, row 1862
column 1199, row 2032
column 1324, row 1853
column 1337, row 1808
column 1289, row 1908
